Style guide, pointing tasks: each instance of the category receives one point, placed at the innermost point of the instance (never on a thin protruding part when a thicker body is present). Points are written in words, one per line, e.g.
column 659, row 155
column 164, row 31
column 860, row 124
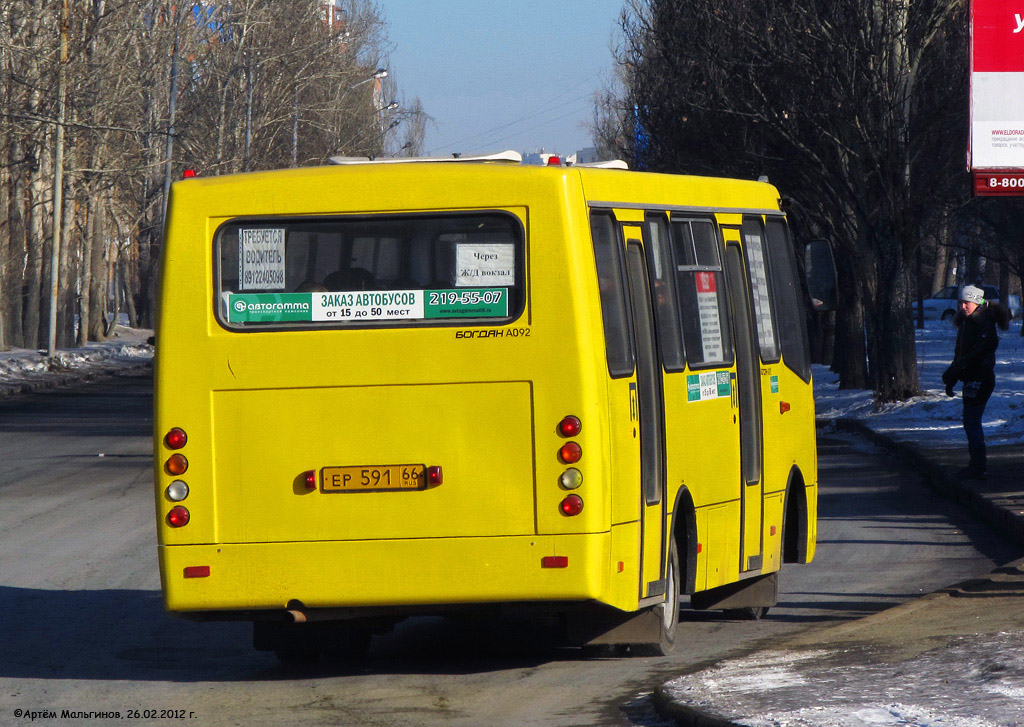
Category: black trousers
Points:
column 976, row 395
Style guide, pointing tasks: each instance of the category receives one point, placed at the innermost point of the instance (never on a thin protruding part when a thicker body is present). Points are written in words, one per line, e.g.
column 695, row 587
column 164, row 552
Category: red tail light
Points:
column 554, row 561
column 310, row 479
column 177, row 464
column 178, row 516
column 176, row 438
column 572, row 505
column 435, row 475
column 197, row 571
column 570, row 426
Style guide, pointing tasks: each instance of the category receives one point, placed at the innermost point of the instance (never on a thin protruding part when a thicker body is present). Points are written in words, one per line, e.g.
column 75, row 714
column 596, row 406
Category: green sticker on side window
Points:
column 708, row 385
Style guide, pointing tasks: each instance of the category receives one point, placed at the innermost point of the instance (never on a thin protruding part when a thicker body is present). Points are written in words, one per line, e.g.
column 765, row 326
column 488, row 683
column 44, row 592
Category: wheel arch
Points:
column 684, row 533
column 794, row 519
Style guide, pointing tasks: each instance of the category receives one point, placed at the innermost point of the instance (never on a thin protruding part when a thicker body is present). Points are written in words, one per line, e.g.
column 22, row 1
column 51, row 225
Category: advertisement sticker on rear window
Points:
column 366, row 306
column 261, row 259
column 480, row 265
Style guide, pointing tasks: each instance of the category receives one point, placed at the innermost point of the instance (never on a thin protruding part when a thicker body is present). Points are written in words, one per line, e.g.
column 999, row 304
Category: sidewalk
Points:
column 953, row 658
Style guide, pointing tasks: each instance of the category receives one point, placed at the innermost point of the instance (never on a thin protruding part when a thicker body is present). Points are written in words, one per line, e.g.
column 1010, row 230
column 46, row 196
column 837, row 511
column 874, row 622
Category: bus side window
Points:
column 757, row 271
column 788, row 298
column 617, row 333
column 657, row 240
column 701, row 287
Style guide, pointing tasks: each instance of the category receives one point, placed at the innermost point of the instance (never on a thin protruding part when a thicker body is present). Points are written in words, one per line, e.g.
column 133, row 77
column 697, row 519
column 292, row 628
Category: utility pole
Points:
column 58, row 179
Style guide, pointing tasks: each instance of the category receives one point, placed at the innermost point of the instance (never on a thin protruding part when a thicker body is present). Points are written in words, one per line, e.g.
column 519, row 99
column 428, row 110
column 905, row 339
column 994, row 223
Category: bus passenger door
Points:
column 652, row 434
column 748, row 383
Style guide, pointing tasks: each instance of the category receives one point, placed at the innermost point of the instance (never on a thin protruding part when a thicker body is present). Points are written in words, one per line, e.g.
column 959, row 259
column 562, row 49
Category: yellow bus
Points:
column 389, row 389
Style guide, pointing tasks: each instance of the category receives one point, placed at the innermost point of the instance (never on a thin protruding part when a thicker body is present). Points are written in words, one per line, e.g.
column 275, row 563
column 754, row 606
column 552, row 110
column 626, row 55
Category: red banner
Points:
column 998, row 36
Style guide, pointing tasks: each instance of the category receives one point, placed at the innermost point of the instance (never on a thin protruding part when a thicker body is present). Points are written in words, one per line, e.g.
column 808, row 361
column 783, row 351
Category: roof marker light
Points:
column 188, row 174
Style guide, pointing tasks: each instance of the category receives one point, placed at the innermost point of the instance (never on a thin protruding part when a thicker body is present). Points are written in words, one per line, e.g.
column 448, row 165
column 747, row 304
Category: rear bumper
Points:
column 375, row 573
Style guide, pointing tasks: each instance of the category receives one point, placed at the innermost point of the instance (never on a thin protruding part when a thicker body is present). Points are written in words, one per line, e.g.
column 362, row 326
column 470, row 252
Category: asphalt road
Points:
column 82, row 627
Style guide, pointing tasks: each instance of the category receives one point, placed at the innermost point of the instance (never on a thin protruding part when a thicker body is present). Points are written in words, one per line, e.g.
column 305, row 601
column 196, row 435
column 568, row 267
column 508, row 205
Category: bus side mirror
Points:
column 820, row 269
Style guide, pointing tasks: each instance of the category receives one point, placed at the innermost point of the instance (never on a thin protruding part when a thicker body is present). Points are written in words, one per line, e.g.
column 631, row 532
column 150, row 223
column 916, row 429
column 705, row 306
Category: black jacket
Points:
column 974, row 358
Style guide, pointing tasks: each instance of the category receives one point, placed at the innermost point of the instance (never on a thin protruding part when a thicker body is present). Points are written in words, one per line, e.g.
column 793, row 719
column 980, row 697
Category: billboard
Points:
column 996, row 153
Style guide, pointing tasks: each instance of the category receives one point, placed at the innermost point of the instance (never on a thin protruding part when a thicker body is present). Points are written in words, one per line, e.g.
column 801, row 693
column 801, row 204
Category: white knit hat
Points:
column 972, row 294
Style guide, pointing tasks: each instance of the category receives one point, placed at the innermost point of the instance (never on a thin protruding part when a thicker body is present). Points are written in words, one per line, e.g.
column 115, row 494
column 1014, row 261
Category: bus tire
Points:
column 667, row 612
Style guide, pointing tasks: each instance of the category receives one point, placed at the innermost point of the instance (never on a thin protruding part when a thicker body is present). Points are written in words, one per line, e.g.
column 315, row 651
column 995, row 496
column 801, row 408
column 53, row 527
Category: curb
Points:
column 683, row 715
column 1010, row 523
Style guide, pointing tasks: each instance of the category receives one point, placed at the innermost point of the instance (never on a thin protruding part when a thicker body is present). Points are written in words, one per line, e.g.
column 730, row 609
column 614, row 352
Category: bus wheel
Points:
column 668, row 612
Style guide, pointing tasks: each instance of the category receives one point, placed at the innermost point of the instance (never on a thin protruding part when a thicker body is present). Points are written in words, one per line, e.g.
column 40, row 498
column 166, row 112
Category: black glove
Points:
column 949, row 390
column 949, row 377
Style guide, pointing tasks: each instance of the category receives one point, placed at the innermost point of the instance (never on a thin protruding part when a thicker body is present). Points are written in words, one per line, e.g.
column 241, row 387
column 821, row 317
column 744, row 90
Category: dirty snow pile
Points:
column 23, row 370
column 975, row 683
column 934, row 419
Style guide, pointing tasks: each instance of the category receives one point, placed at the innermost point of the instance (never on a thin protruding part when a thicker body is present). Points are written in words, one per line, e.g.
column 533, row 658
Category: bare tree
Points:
column 855, row 109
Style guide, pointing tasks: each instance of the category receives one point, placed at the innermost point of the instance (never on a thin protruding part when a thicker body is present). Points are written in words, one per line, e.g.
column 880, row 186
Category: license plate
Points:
column 374, row 478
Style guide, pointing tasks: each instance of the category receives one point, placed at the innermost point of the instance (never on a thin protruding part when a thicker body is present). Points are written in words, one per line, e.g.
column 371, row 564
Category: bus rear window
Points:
column 399, row 270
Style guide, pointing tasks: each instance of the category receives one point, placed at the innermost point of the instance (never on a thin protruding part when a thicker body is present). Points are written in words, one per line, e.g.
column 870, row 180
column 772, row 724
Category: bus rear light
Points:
column 570, row 452
column 177, row 491
column 571, row 505
column 570, row 426
column 177, row 464
column 783, row 407
column 309, row 477
column 554, row 561
column 177, row 517
column 571, row 478
column 435, row 475
column 176, row 438
column 197, row 571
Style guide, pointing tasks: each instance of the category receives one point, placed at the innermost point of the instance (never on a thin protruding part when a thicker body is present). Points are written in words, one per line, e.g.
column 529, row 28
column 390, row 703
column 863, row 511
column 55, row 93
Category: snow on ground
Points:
column 975, row 682
column 933, row 419
column 24, row 370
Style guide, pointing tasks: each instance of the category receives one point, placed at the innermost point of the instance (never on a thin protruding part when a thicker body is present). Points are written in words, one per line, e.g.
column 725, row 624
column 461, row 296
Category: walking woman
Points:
column 974, row 363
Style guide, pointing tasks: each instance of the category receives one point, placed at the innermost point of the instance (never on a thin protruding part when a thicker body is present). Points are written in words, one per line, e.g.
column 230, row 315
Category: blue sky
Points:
column 518, row 74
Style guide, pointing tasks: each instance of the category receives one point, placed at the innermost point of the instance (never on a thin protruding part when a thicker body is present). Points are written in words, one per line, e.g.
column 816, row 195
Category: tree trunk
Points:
column 893, row 354
column 97, row 275
column 850, row 360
